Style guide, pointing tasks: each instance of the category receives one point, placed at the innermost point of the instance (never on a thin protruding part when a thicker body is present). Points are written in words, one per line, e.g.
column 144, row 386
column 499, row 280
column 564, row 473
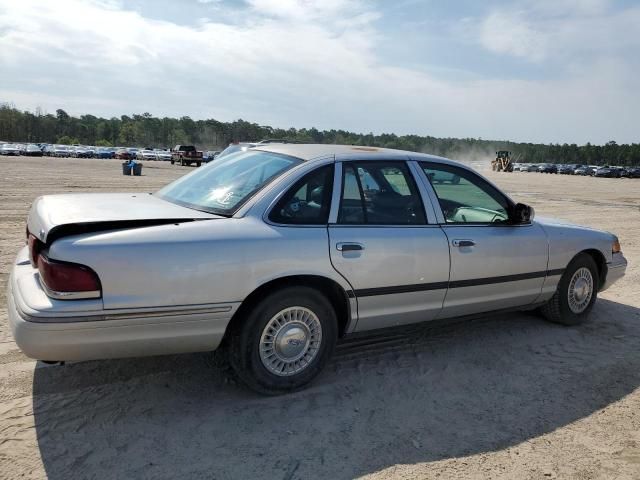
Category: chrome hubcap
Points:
column 580, row 290
column 290, row 341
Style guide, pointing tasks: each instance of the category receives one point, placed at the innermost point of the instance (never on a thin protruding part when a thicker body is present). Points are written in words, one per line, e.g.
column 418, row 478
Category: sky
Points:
column 550, row 71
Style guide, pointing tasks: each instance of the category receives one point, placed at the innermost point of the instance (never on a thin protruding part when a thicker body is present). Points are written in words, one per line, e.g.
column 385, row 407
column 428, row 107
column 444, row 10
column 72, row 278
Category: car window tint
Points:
column 309, row 200
column 465, row 197
column 379, row 193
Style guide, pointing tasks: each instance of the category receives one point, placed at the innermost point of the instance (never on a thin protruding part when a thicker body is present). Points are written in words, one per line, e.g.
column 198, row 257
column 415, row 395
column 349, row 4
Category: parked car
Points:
column 22, row 148
column 9, row 149
column 632, row 172
column 210, row 155
column 146, row 155
column 164, row 155
column 32, row 150
column 238, row 250
column 61, row 151
column 186, row 155
column 548, row 168
column 532, row 168
column 606, row 171
column 80, row 152
column 123, row 154
column 103, row 152
column 566, row 169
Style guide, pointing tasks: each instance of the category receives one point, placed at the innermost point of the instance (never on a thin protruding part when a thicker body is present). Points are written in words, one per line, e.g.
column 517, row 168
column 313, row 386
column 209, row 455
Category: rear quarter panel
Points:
column 212, row 261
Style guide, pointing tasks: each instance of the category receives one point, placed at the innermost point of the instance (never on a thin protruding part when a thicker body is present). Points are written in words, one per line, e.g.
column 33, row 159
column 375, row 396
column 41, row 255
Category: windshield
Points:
column 221, row 187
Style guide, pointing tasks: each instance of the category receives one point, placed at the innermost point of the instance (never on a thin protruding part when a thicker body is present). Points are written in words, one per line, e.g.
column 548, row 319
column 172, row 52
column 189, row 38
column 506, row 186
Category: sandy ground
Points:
column 506, row 396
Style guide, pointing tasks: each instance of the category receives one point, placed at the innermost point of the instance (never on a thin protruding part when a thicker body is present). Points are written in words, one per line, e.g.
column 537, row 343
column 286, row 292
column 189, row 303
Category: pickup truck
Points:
column 186, row 155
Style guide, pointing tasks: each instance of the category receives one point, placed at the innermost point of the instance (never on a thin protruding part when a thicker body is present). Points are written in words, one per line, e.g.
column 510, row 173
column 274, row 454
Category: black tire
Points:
column 245, row 337
column 172, row 162
column 557, row 309
column 197, row 164
column 181, row 162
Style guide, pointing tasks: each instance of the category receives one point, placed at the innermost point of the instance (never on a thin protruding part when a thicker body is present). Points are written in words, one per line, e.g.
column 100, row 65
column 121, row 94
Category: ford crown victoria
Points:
column 277, row 251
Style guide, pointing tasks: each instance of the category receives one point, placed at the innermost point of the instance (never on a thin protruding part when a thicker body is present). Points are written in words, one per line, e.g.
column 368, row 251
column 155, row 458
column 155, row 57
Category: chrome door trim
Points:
column 373, row 225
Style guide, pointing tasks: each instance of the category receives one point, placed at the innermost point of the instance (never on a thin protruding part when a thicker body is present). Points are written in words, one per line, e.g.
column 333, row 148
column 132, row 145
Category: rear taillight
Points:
column 68, row 281
column 35, row 247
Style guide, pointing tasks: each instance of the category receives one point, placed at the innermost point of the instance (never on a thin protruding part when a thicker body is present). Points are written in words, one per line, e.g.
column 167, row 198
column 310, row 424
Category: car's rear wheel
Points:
column 284, row 342
column 576, row 293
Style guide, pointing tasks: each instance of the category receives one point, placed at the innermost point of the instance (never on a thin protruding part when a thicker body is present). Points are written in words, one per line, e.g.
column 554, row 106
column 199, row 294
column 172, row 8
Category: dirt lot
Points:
column 506, row 396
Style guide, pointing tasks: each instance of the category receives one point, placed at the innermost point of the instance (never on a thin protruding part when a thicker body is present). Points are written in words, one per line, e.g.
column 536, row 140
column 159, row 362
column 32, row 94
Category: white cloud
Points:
column 294, row 63
column 560, row 29
column 513, row 34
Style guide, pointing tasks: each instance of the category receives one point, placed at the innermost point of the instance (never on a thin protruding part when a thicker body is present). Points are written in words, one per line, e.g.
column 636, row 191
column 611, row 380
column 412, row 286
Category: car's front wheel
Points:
column 576, row 293
column 285, row 341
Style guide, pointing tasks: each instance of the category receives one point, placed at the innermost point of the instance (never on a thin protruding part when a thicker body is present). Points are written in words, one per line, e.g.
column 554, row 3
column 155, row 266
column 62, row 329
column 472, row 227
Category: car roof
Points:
column 316, row 151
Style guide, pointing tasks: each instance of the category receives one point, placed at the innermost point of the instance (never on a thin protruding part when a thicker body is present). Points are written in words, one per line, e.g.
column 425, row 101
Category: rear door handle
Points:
column 349, row 246
column 463, row 243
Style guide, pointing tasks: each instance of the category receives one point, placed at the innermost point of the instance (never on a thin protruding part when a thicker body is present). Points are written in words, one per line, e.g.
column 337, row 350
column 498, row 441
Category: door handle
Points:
column 349, row 246
column 463, row 243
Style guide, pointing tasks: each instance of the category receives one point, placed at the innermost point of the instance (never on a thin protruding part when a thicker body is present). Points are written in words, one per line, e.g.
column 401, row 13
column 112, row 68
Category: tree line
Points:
column 145, row 130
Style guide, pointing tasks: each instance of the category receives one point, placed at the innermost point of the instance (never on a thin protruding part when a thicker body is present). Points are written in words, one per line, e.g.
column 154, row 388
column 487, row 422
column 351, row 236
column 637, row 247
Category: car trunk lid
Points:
column 54, row 216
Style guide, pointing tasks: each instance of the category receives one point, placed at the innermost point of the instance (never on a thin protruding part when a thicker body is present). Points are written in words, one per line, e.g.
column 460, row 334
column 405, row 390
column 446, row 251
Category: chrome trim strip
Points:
column 102, row 316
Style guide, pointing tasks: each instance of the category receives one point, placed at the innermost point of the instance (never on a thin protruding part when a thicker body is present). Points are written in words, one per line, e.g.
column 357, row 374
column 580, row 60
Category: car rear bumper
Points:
column 74, row 334
column 615, row 270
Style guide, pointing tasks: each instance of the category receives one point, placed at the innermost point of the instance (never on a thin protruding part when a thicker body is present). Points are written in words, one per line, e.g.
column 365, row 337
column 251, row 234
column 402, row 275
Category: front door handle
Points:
column 349, row 246
column 463, row 243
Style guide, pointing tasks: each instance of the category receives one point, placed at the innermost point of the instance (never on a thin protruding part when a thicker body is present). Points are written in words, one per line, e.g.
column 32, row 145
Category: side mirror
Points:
column 522, row 214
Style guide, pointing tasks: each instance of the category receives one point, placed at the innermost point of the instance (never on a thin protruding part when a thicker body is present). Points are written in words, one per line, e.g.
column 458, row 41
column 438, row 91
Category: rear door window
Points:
column 379, row 193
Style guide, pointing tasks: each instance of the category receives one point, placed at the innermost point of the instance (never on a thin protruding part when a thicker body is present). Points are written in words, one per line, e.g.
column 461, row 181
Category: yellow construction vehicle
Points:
column 503, row 162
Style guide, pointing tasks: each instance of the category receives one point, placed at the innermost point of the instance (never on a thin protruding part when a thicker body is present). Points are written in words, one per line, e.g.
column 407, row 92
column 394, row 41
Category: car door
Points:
column 381, row 243
column 495, row 264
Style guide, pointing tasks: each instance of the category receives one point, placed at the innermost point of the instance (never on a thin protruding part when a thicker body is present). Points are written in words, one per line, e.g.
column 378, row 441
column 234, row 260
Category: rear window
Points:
column 224, row 185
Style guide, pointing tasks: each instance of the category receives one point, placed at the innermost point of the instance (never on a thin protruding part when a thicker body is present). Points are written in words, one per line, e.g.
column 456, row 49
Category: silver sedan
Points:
column 277, row 251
